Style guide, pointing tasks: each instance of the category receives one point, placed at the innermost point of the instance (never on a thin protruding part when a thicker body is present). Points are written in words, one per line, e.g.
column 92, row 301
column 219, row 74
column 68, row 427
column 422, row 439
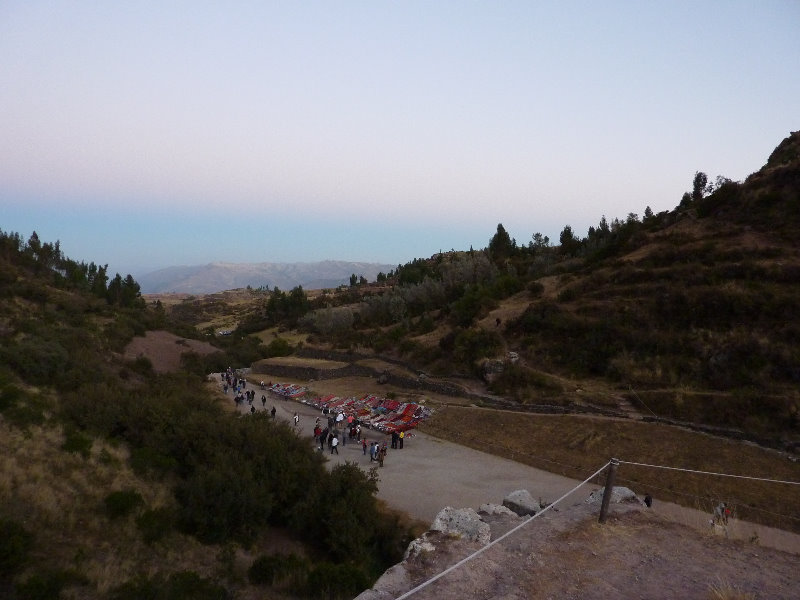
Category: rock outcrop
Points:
column 619, row 495
column 522, row 503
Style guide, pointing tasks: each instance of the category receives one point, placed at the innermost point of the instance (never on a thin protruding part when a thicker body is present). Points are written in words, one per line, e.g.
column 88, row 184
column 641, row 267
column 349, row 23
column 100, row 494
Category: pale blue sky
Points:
column 150, row 134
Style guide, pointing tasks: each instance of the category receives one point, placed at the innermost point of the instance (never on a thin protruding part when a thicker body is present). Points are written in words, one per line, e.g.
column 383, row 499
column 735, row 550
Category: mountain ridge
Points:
column 219, row 276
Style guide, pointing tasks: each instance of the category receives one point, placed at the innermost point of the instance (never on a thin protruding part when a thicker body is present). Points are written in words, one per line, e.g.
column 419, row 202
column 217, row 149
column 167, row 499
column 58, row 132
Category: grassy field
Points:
column 575, row 446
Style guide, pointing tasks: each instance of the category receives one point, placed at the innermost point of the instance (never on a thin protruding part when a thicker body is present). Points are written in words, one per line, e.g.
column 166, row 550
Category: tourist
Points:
column 334, row 445
column 402, row 437
column 272, row 412
column 382, row 455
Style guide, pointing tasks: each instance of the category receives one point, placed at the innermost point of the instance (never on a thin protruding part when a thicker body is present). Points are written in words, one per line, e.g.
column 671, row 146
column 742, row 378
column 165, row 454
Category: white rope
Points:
column 502, row 537
column 625, row 462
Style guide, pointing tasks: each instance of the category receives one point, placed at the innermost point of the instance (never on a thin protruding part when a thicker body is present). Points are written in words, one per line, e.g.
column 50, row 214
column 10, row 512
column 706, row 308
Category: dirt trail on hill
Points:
column 429, row 474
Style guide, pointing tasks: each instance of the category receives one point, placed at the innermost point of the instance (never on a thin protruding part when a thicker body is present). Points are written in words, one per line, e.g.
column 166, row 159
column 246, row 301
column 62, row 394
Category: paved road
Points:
column 430, row 473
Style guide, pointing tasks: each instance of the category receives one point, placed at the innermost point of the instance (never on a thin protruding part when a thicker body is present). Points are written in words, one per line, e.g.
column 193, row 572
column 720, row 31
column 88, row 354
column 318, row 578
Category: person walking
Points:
column 401, row 438
column 335, row 445
column 272, row 412
column 364, row 446
column 296, row 419
column 382, row 455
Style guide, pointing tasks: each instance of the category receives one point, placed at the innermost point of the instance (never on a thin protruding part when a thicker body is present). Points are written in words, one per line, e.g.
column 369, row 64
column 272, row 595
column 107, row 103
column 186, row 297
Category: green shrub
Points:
column 77, row 443
column 142, row 365
column 156, row 523
column 277, row 569
column 122, row 503
column 337, row 581
column 472, row 344
column 185, row 585
column 26, row 410
column 279, row 347
column 535, row 288
column 48, row 585
column 10, row 395
column 149, row 461
column 16, row 543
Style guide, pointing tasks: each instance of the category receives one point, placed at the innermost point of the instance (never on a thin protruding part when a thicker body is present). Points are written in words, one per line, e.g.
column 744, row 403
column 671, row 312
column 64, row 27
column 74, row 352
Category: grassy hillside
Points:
column 120, row 482
column 689, row 315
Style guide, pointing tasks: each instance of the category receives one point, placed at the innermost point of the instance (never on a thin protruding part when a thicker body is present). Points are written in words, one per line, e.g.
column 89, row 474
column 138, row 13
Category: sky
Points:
column 151, row 134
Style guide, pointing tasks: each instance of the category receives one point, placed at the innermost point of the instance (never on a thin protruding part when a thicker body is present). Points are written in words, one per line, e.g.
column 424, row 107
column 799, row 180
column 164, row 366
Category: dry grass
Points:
column 723, row 590
column 63, row 494
column 294, row 361
column 574, row 446
column 293, row 337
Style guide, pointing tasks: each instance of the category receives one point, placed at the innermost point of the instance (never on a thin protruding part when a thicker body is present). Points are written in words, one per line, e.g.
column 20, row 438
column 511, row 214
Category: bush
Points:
column 278, row 569
column 48, row 584
column 122, row 503
column 337, row 581
column 148, row 461
column 15, row 545
column 77, row 443
column 154, row 524
column 184, row 585
column 279, row 347
column 535, row 288
column 472, row 344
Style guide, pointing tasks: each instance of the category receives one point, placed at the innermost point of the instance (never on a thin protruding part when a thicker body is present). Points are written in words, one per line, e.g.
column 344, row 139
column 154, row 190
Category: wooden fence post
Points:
column 612, row 472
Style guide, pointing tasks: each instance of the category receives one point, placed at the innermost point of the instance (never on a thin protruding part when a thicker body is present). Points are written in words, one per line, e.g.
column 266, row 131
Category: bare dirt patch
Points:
column 164, row 349
column 509, row 309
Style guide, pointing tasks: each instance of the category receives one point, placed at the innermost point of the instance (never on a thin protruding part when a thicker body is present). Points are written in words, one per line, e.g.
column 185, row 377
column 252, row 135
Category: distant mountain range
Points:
column 220, row 276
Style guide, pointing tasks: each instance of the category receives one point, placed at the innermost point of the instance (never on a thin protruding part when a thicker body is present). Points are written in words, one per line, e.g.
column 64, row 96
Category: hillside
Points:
column 124, row 477
column 689, row 315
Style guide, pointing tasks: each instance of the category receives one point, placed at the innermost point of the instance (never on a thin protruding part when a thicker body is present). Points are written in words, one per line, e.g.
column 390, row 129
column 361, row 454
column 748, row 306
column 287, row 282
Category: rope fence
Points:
column 625, row 462
column 613, row 462
column 480, row 551
column 564, row 469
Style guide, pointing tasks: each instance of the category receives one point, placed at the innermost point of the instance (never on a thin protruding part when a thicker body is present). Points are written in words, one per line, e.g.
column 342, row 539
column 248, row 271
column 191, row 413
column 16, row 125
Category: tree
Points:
column 569, row 243
column 540, row 241
column 500, row 246
column 699, row 186
column 353, row 280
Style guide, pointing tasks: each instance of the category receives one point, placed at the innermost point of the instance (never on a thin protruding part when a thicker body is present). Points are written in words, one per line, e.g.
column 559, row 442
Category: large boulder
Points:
column 496, row 510
column 463, row 523
column 421, row 545
column 522, row 503
column 619, row 495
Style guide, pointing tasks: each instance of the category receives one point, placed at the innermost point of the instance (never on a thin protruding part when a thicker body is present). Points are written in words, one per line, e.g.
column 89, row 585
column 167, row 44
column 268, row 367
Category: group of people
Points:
column 339, row 429
column 327, row 435
column 232, row 380
column 377, row 451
